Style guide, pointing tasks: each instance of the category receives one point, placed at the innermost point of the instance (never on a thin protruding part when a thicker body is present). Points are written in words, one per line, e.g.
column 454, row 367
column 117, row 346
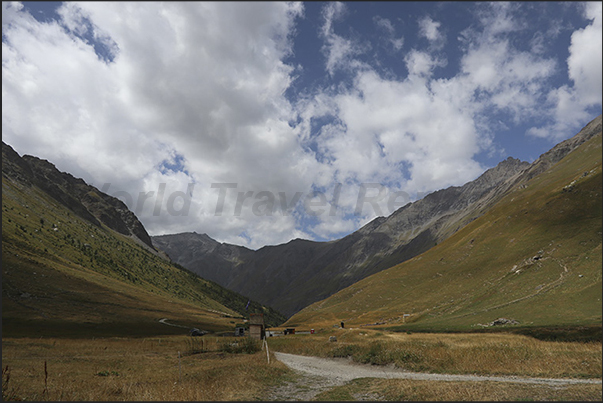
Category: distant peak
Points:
column 511, row 160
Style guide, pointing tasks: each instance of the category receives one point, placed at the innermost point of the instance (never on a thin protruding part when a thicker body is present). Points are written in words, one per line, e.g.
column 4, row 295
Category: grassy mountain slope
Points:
column 63, row 275
column 534, row 257
column 293, row 275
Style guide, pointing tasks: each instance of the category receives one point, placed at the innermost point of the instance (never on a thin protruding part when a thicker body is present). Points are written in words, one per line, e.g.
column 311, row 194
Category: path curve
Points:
column 342, row 370
column 164, row 321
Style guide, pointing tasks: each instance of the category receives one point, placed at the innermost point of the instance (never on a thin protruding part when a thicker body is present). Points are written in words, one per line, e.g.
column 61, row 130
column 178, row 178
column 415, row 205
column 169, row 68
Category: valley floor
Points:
column 341, row 378
column 434, row 367
column 342, row 370
column 320, row 375
column 301, row 367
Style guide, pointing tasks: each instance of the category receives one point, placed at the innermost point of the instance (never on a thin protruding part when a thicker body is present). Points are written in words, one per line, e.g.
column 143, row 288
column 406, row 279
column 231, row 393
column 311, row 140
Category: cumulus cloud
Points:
column 500, row 75
column 10, row 10
column 179, row 82
column 499, row 17
column 182, row 107
column 338, row 50
column 568, row 105
column 401, row 132
column 421, row 63
column 390, row 31
column 513, row 80
column 430, row 29
column 584, row 61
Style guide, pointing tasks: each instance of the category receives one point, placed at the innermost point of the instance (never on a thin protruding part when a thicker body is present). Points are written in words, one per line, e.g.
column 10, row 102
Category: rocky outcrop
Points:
column 84, row 200
column 556, row 154
column 500, row 322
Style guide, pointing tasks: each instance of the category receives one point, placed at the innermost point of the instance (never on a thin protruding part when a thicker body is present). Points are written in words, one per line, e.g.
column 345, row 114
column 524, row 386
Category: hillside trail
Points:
column 316, row 375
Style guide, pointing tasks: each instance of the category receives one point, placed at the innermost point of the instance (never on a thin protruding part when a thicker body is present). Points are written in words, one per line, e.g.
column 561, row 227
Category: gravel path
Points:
column 164, row 321
column 320, row 374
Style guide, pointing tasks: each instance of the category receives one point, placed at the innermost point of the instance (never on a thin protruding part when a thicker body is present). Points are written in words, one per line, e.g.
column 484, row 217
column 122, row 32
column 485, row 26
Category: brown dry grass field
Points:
column 141, row 369
column 411, row 390
column 110, row 369
column 452, row 353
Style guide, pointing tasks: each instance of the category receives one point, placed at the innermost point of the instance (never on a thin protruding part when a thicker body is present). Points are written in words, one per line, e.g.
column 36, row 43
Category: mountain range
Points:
column 76, row 261
column 291, row 276
column 522, row 241
column 531, row 263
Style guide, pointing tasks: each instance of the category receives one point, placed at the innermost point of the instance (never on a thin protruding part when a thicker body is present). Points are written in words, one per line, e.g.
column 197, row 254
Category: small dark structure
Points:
column 290, row 330
column 197, row 332
column 239, row 331
column 342, row 326
column 256, row 326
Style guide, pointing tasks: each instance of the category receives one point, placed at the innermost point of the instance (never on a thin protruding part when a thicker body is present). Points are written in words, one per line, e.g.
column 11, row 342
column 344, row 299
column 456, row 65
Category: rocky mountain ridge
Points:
column 281, row 275
column 531, row 260
column 84, row 200
column 77, row 261
column 290, row 276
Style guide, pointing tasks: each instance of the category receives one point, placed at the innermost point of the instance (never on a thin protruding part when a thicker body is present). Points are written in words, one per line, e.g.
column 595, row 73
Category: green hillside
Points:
column 62, row 275
column 535, row 258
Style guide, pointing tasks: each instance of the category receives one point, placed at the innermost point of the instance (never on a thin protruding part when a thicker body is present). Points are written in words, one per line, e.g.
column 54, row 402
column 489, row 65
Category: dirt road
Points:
column 320, row 374
column 164, row 321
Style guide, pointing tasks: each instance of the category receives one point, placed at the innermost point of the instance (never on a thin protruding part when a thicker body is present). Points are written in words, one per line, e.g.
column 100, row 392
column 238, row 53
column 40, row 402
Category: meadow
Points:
column 452, row 353
column 171, row 368
column 178, row 367
column 411, row 390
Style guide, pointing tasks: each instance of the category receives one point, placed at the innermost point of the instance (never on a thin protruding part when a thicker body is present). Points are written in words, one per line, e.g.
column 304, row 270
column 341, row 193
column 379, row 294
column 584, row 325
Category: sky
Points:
column 258, row 123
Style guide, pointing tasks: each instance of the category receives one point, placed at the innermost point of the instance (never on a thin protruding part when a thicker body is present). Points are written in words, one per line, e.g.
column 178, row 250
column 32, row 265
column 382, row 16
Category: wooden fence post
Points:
column 267, row 352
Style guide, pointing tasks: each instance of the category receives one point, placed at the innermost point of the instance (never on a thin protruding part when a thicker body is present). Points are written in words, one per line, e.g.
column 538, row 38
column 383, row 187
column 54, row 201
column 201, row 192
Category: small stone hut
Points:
column 256, row 326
